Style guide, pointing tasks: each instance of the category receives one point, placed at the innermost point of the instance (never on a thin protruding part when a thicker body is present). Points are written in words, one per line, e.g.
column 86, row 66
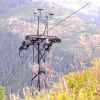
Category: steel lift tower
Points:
column 41, row 44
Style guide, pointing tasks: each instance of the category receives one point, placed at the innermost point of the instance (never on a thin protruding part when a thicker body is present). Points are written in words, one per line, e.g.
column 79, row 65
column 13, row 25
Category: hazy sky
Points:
column 96, row 2
column 93, row 9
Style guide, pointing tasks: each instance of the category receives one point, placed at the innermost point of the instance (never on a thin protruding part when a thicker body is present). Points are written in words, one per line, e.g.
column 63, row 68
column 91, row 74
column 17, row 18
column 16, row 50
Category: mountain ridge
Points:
column 77, row 37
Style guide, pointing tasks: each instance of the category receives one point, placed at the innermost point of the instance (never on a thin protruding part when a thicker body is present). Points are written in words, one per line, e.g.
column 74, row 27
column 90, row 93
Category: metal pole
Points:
column 38, row 25
column 39, row 16
column 33, row 53
column 39, row 66
column 47, row 26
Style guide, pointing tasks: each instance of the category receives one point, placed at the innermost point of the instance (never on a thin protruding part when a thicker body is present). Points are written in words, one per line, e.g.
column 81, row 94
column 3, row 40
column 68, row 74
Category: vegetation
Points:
column 2, row 93
column 79, row 39
column 81, row 85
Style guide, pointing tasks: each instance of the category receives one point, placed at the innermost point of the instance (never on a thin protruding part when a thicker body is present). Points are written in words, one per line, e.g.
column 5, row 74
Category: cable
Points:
column 12, row 72
column 69, row 16
column 11, row 76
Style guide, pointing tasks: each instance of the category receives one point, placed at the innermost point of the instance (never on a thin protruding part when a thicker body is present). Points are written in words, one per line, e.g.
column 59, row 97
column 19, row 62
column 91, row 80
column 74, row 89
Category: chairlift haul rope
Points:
column 69, row 16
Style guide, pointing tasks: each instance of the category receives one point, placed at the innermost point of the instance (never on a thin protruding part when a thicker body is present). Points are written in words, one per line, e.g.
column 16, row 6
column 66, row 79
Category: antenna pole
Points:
column 38, row 25
column 47, row 25
column 39, row 17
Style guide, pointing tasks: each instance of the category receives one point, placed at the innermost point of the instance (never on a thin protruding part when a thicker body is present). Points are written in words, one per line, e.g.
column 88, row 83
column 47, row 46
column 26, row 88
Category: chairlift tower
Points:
column 41, row 44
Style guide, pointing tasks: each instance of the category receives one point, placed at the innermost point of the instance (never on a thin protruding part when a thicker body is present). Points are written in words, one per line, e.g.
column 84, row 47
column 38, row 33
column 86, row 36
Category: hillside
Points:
column 80, row 85
column 80, row 41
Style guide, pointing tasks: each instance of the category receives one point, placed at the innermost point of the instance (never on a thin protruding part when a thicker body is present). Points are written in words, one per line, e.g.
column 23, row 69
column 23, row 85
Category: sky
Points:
column 96, row 2
column 93, row 9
